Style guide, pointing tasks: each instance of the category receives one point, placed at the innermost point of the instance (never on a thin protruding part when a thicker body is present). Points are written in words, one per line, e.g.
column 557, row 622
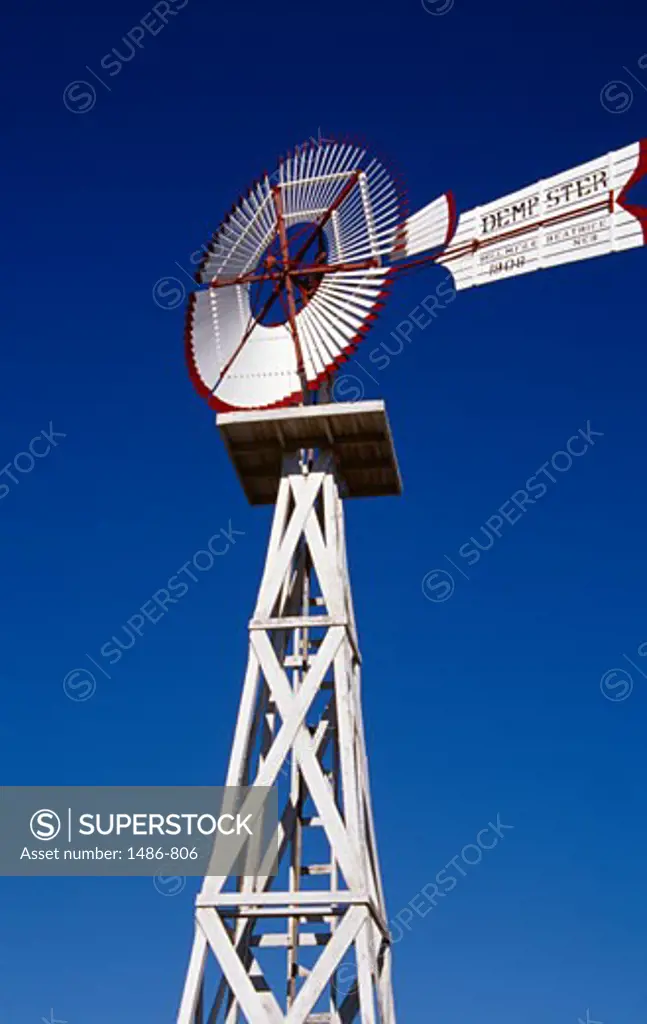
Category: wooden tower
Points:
column 311, row 944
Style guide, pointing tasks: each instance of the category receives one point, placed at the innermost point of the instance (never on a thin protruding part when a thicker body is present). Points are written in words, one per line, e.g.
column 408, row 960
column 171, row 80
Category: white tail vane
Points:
column 296, row 274
column 572, row 216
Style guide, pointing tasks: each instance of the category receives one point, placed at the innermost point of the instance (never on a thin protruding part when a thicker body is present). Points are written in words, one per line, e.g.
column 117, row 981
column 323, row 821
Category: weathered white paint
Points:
column 303, row 647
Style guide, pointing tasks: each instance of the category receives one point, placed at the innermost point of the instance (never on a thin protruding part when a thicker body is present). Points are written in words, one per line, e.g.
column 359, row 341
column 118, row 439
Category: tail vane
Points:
column 572, row 216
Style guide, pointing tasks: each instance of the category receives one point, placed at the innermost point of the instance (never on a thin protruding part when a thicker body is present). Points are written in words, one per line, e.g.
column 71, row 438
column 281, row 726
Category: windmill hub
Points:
column 294, row 269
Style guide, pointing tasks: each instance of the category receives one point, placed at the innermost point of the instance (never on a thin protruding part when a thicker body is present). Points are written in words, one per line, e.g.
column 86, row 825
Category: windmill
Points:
column 293, row 279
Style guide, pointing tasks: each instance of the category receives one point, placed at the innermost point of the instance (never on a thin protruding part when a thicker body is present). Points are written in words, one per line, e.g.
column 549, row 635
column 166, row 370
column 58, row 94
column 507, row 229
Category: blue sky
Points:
column 488, row 702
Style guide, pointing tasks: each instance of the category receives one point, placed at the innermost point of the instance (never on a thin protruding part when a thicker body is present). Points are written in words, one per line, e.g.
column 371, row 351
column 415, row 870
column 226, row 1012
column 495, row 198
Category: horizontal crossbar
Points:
column 273, row 899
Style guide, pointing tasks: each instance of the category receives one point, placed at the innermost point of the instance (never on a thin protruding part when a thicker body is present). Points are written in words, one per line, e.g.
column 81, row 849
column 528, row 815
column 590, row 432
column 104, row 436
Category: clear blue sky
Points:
column 486, row 703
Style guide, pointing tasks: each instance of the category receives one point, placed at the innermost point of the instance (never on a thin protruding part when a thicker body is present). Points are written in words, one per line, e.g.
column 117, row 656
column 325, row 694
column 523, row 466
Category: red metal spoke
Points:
column 304, row 293
column 253, row 322
column 334, row 268
column 248, row 330
column 250, row 278
column 284, row 306
column 348, row 187
column 285, row 253
column 314, row 268
column 286, row 278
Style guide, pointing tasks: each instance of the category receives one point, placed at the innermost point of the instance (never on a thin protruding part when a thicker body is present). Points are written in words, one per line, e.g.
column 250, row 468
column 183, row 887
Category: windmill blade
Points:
column 333, row 196
column 230, row 375
column 262, row 372
column 430, row 227
column 575, row 215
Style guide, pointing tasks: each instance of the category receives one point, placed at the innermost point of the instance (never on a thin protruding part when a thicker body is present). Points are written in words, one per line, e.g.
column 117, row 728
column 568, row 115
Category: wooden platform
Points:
column 358, row 434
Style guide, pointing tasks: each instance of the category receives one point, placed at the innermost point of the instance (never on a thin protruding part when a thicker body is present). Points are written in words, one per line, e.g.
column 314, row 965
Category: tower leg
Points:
column 310, row 945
